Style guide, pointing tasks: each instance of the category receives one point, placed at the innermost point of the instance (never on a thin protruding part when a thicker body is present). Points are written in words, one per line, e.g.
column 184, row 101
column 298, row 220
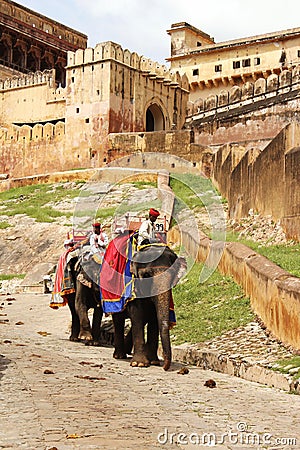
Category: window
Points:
column 298, row 53
column 87, row 120
column 218, row 68
column 246, row 62
column 77, row 110
column 256, row 61
column 199, row 44
column 236, row 64
column 195, row 72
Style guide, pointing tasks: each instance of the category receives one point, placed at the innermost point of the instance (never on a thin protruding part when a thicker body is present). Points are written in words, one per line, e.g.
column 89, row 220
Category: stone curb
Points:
column 218, row 362
column 234, row 366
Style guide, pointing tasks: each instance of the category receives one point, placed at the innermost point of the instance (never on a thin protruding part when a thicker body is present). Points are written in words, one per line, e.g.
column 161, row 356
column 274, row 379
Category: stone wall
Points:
column 266, row 181
column 273, row 292
column 248, row 115
column 250, row 93
column 108, row 90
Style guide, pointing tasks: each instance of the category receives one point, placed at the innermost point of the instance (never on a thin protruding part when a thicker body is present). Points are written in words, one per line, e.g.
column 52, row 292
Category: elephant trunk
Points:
column 163, row 324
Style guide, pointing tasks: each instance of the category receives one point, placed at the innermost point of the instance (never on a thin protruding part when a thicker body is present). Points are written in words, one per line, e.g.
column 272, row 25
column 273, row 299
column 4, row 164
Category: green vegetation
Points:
column 104, row 213
column 203, row 310
column 33, row 201
column 192, row 191
column 196, row 192
column 11, row 276
column 207, row 310
column 144, row 184
column 285, row 256
column 4, row 225
column 285, row 365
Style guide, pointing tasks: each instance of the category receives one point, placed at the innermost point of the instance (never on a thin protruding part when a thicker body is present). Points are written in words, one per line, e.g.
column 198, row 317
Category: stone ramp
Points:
column 34, row 280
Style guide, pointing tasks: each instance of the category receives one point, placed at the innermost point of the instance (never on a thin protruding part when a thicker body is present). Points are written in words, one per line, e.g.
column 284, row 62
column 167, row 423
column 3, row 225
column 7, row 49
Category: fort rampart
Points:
column 273, row 292
column 266, row 181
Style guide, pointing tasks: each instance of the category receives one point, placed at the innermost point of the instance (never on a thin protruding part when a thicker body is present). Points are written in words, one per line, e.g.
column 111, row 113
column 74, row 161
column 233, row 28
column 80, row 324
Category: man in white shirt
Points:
column 147, row 229
column 98, row 239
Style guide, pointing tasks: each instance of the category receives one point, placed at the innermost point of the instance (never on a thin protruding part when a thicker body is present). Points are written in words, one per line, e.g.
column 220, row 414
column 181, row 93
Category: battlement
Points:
column 26, row 133
column 30, row 79
column 111, row 51
column 250, row 95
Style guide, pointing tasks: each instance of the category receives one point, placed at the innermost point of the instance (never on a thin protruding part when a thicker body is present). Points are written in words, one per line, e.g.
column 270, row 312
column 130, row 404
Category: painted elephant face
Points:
column 156, row 270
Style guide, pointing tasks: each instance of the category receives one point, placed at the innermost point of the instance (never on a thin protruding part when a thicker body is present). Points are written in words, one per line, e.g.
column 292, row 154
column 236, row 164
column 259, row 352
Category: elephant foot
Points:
column 139, row 362
column 74, row 339
column 119, row 355
column 167, row 364
column 155, row 362
column 86, row 336
column 93, row 343
column 153, row 358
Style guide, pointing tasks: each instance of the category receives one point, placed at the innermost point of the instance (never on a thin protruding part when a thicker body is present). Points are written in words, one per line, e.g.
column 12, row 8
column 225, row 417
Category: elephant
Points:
column 155, row 269
column 87, row 296
column 78, row 282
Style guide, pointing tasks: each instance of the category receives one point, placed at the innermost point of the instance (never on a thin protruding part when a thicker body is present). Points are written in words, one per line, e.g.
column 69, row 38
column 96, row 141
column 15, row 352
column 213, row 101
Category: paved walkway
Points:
column 56, row 394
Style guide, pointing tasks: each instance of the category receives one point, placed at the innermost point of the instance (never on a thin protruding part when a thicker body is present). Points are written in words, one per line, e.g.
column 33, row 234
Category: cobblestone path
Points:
column 56, row 394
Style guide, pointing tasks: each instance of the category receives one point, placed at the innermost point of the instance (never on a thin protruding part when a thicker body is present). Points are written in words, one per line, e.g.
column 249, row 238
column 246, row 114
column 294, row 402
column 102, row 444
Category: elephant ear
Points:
column 180, row 268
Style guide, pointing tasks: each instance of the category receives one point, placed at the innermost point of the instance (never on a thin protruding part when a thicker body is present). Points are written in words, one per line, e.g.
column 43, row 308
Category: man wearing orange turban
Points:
column 147, row 229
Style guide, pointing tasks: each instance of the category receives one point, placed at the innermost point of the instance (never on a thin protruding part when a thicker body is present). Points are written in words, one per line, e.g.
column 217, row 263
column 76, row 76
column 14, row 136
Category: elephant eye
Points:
column 146, row 275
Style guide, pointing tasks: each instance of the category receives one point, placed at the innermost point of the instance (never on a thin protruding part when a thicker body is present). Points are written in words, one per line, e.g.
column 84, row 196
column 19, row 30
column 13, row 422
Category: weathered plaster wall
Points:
column 266, row 181
column 249, row 115
column 31, row 98
column 108, row 89
column 273, row 292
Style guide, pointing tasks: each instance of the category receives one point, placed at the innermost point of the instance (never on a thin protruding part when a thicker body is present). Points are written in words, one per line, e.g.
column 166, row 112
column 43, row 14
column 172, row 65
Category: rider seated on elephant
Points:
column 147, row 233
column 98, row 241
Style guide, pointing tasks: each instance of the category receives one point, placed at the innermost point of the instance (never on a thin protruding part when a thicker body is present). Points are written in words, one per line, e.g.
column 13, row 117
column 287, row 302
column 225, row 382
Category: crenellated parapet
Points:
column 15, row 134
column 30, row 79
column 111, row 51
column 273, row 87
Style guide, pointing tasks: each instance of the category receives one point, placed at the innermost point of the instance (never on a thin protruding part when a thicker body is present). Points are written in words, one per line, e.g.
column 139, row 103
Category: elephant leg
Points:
column 119, row 342
column 75, row 327
column 128, row 342
column 96, row 324
column 81, row 302
column 152, row 335
column 135, row 311
column 163, row 304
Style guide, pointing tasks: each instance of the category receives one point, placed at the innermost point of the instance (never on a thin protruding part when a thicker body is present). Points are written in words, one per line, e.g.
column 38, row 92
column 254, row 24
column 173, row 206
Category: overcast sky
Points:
column 140, row 25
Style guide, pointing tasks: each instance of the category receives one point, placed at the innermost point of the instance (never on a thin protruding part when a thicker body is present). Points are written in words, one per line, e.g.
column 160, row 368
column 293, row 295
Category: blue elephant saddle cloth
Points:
column 116, row 280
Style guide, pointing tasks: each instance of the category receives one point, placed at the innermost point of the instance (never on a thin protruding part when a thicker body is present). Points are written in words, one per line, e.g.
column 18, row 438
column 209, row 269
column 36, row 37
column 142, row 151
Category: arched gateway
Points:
column 154, row 118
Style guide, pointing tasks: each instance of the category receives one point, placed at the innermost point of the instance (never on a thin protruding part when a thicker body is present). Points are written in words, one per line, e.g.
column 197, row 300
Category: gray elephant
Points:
column 155, row 269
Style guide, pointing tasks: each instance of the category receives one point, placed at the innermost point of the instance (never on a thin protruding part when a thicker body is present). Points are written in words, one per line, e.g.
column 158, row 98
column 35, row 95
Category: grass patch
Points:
column 4, row 225
column 104, row 213
column 285, row 256
column 193, row 191
column 11, row 276
column 33, row 201
column 207, row 310
column 285, row 365
column 144, row 184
